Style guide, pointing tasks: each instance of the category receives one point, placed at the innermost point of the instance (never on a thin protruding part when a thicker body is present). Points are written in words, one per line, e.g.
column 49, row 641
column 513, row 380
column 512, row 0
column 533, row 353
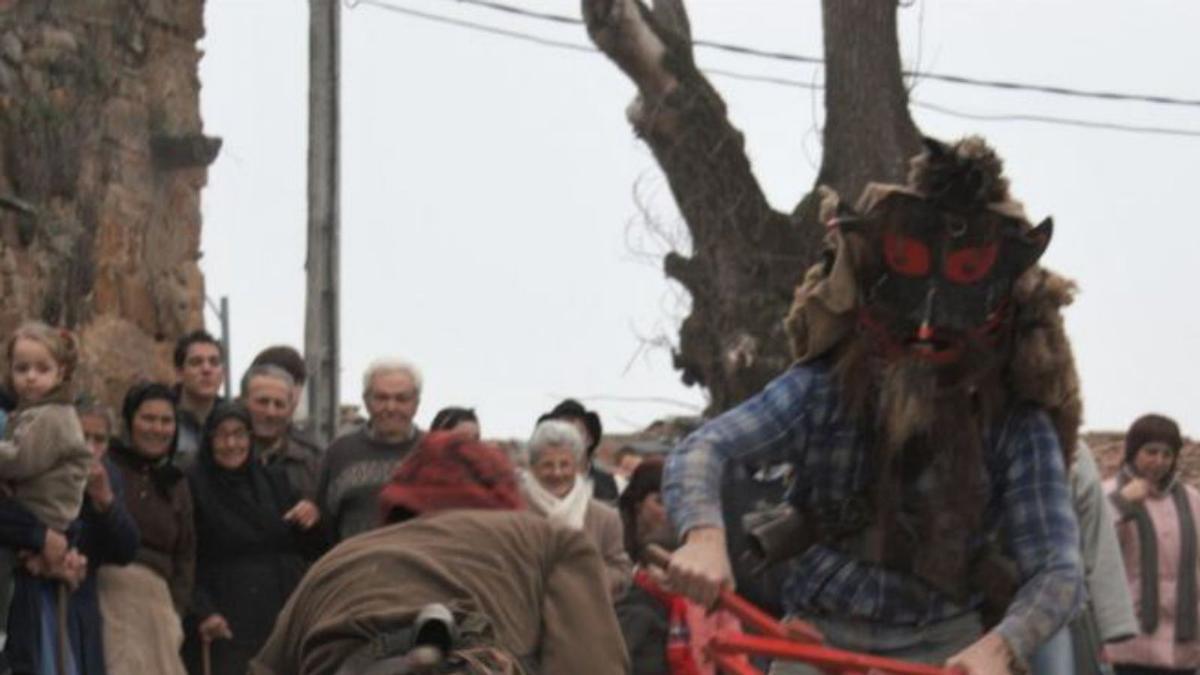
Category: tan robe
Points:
column 142, row 632
column 535, row 581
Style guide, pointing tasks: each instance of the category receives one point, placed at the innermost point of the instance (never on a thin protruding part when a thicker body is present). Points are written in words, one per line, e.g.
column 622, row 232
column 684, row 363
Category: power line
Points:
column 483, row 28
column 764, row 79
column 1050, row 119
column 801, row 58
column 768, row 79
column 987, row 117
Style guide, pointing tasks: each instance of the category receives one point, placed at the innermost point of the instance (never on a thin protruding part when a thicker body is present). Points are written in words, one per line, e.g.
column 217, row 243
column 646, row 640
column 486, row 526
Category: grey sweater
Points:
column 355, row 469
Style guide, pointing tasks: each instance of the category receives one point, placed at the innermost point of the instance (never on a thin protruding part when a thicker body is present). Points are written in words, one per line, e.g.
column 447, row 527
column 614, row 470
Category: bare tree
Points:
column 747, row 257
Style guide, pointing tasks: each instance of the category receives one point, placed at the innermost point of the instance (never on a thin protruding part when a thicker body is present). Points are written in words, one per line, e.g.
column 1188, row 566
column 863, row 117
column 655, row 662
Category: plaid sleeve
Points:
column 764, row 426
column 1042, row 533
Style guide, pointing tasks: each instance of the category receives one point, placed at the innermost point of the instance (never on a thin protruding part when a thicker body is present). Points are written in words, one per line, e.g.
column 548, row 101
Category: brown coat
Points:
column 45, row 463
column 299, row 460
column 602, row 525
column 162, row 510
column 535, row 581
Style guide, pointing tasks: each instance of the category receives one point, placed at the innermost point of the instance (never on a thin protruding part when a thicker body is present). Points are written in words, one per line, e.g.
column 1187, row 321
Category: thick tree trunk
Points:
column 869, row 134
column 747, row 257
column 102, row 159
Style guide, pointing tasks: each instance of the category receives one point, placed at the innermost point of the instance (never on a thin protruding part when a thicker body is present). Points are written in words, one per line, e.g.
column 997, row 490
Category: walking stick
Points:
column 206, row 656
column 63, row 635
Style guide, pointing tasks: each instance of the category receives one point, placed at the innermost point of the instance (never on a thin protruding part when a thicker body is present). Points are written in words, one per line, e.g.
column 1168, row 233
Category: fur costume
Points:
column 1037, row 367
column 932, row 310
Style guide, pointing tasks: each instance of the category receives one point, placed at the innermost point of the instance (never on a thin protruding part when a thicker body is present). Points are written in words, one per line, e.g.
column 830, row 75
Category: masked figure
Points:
column 926, row 421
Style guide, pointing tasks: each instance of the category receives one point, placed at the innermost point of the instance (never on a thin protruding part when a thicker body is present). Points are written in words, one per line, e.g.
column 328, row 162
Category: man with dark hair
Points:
column 200, row 372
column 515, row 592
column 287, row 358
column 604, row 486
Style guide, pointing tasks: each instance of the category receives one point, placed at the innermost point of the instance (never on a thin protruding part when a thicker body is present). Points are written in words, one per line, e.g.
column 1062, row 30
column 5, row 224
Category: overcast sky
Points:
column 490, row 232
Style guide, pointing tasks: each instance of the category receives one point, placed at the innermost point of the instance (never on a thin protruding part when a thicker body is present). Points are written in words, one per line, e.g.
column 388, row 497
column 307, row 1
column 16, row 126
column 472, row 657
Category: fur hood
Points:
column 1040, row 368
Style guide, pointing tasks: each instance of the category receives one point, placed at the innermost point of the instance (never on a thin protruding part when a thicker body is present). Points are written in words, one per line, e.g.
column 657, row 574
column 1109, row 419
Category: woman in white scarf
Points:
column 554, row 488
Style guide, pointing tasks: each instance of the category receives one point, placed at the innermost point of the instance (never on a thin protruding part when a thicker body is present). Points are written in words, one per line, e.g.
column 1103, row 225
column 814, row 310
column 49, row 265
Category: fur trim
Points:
column 823, row 305
column 1041, row 368
column 965, row 176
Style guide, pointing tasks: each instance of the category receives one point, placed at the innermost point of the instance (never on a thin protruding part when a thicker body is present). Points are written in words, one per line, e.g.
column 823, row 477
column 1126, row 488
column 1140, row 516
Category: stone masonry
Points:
column 102, row 159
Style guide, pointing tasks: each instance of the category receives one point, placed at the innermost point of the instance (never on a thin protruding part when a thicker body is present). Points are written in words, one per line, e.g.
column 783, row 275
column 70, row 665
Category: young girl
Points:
column 44, row 462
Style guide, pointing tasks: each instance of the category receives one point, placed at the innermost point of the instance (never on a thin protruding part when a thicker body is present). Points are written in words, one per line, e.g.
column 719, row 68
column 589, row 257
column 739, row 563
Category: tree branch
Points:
column 626, row 32
column 747, row 256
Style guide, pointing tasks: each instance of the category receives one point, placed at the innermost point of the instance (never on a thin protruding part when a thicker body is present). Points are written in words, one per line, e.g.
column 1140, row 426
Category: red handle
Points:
column 794, row 640
column 745, row 611
column 834, row 660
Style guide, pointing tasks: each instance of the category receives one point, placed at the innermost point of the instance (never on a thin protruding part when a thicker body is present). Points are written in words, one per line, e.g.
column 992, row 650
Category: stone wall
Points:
column 102, row 160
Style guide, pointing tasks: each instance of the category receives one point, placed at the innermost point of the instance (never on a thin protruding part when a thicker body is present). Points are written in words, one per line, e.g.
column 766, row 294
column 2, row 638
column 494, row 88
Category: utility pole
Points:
column 321, row 320
column 222, row 311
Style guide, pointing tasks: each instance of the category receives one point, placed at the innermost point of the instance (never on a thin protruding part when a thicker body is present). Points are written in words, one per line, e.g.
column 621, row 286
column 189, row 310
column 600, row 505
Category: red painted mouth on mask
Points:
column 936, row 346
column 935, row 350
column 926, row 344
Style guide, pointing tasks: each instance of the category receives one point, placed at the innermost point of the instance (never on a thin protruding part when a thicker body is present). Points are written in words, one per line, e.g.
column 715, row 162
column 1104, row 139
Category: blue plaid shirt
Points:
column 797, row 419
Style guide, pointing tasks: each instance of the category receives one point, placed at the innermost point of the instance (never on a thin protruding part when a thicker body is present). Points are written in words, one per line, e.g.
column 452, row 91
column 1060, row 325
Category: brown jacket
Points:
column 535, row 581
column 300, row 461
column 602, row 525
column 45, row 463
column 161, row 504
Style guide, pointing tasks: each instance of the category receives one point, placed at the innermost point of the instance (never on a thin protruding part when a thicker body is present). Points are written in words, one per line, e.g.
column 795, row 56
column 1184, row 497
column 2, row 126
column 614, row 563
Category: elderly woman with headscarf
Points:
column 249, row 558
column 554, row 487
column 141, row 603
column 1156, row 525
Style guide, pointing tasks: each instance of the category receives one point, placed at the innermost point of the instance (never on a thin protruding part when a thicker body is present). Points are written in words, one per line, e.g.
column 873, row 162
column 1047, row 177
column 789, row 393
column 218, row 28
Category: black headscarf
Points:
column 163, row 471
column 244, row 497
column 224, row 410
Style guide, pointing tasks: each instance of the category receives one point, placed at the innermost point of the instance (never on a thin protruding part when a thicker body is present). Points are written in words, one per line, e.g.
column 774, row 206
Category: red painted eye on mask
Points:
column 906, row 256
column 969, row 265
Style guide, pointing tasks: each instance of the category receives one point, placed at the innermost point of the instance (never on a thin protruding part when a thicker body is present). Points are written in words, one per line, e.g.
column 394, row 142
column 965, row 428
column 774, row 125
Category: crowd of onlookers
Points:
column 166, row 536
column 172, row 530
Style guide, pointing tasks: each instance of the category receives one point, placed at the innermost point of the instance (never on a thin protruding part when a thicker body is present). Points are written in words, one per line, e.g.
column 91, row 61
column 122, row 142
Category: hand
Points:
column 215, row 628
column 99, row 487
column 1136, row 490
column 71, row 569
column 700, row 568
column 304, row 514
column 989, row 655
column 54, row 548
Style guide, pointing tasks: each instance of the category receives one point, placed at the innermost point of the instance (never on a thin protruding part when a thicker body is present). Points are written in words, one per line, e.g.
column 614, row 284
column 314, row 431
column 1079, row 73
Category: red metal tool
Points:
column 794, row 640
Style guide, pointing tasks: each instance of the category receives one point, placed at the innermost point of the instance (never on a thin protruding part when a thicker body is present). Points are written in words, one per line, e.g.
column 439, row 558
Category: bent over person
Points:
column 926, row 422
column 521, row 593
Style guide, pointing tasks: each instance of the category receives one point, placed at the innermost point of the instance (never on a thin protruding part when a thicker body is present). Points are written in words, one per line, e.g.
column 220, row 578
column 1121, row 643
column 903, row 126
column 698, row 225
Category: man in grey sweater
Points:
column 357, row 465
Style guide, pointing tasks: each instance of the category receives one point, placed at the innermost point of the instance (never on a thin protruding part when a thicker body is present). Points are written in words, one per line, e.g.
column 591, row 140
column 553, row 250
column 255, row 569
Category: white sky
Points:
column 487, row 189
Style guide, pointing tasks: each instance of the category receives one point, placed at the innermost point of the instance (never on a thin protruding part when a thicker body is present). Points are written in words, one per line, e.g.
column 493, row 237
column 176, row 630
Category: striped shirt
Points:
column 797, row 418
